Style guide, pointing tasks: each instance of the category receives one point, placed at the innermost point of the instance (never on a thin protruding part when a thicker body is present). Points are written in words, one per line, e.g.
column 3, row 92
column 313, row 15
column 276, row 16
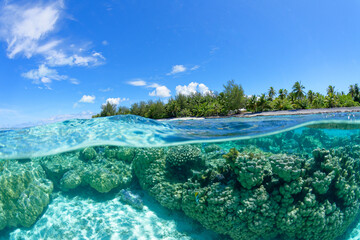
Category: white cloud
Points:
column 45, row 75
column 194, row 67
column 28, row 30
column 160, row 91
column 187, row 90
column 204, row 90
column 87, row 99
column 192, row 88
column 153, row 85
column 104, row 43
column 213, row 50
column 24, row 28
column 137, row 82
column 74, row 81
column 116, row 101
column 58, row 58
column 105, row 89
column 177, row 69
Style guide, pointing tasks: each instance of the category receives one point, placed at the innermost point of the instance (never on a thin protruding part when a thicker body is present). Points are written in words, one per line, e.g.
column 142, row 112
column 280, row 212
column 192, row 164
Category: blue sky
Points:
column 60, row 59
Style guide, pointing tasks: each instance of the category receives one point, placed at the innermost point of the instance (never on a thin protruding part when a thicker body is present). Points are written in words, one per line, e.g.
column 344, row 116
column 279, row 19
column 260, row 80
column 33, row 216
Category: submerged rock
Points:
column 70, row 180
column 130, row 198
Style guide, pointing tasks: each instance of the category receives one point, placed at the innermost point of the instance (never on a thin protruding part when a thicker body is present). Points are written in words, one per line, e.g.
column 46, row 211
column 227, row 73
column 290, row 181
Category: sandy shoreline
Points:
column 276, row 113
column 302, row 112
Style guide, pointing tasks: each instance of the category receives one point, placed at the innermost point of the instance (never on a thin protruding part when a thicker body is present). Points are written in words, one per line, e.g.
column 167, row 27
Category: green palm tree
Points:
column 331, row 101
column 352, row 90
column 251, row 104
column 298, row 90
column 357, row 93
column 282, row 93
column 330, row 90
column 311, row 96
column 271, row 93
column 262, row 104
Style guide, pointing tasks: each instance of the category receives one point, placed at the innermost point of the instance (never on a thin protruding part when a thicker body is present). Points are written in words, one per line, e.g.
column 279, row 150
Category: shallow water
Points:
column 287, row 177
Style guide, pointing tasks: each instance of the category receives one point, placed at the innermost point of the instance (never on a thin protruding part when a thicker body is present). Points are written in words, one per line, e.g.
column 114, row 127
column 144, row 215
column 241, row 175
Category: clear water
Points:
column 286, row 177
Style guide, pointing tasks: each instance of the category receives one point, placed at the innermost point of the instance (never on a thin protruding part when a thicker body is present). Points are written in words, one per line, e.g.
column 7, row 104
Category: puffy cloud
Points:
column 204, row 90
column 192, row 88
column 87, row 99
column 187, row 90
column 24, row 28
column 45, row 75
column 177, row 69
column 27, row 30
column 116, row 101
column 137, row 83
column 160, row 91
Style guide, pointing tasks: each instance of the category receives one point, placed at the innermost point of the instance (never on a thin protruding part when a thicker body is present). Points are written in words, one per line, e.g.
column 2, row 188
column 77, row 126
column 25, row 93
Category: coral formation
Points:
column 24, row 193
column 70, row 180
column 183, row 156
column 295, row 185
column 87, row 167
column 257, row 195
column 88, row 153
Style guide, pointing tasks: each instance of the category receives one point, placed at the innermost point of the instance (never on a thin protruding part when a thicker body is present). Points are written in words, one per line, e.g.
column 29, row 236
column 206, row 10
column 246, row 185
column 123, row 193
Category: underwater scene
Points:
column 127, row 177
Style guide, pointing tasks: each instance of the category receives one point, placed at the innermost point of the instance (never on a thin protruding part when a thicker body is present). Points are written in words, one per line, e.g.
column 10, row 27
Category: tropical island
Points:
column 232, row 100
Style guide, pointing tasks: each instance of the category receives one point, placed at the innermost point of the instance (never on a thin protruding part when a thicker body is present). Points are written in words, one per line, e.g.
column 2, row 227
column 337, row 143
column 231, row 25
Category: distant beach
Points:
column 276, row 113
column 302, row 112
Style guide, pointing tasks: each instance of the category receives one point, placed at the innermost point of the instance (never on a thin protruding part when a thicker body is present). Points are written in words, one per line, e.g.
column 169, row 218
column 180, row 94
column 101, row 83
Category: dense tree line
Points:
column 233, row 98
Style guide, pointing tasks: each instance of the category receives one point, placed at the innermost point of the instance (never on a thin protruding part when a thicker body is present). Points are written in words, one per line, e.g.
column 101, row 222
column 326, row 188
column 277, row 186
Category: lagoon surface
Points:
column 127, row 177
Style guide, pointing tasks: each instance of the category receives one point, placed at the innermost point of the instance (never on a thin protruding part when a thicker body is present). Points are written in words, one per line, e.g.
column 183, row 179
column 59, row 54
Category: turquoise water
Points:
column 127, row 177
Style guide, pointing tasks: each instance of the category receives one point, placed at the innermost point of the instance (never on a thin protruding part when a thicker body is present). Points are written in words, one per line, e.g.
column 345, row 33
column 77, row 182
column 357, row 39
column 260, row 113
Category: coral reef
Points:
column 88, row 153
column 255, row 194
column 87, row 167
column 24, row 193
column 183, row 156
column 296, row 185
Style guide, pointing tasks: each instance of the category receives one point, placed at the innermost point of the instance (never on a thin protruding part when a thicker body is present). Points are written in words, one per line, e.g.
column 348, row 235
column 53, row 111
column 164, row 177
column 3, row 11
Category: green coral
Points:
column 262, row 195
column 125, row 154
column 70, row 180
column 249, row 168
column 211, row 148
column 56, row 166
column 101, row 179
column 287, row 167
column 69, row 171
column 88, row 153
column 106, row 175
column 183, row 156
column 24, row 193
